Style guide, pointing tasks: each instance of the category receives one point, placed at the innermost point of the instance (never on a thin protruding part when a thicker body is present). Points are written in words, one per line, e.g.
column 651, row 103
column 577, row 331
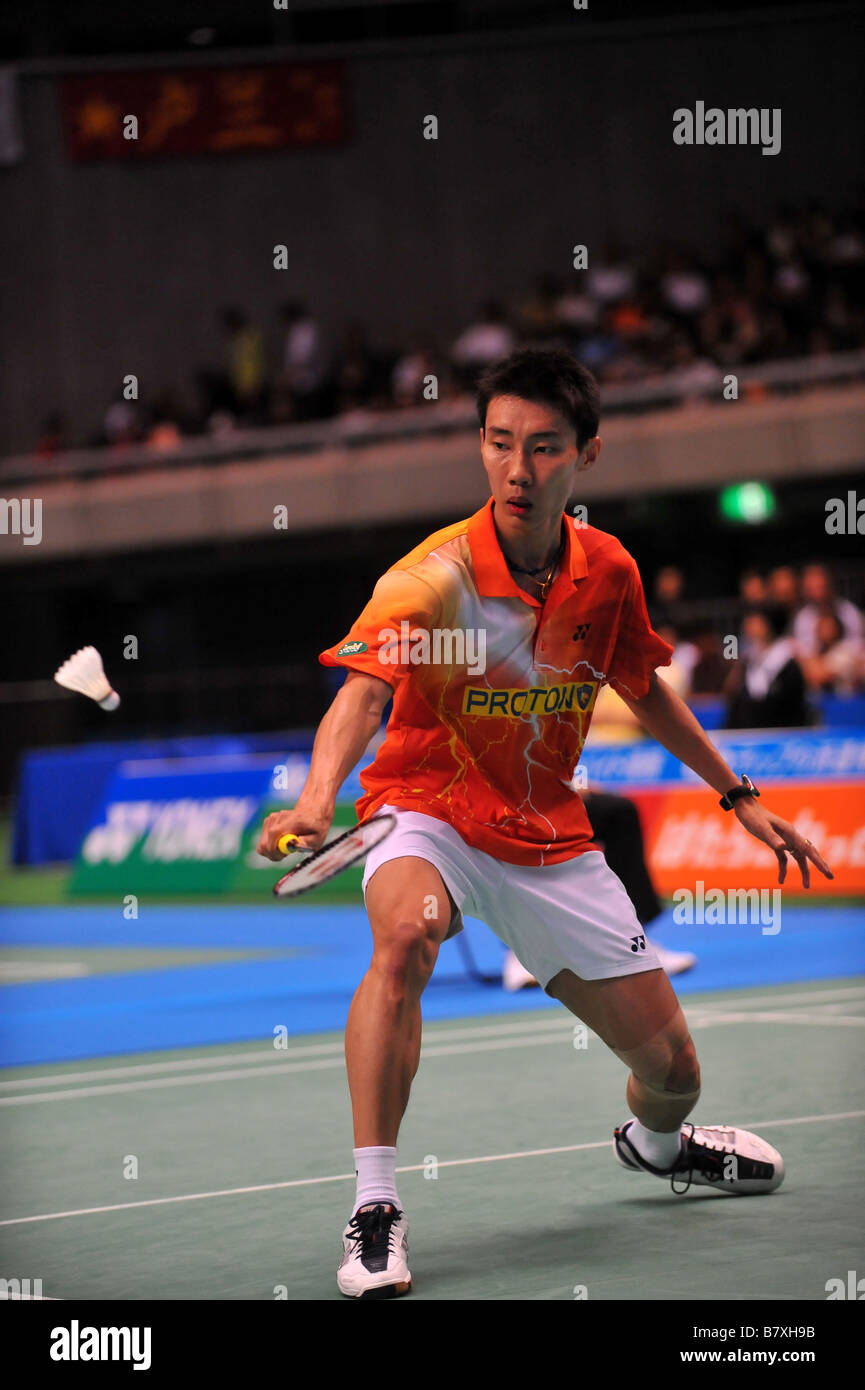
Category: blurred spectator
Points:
column 684, row 287
column 303, row 363
column 668, row 589
column 411, row 373
column 842, row 324
column 838, row 665
column 695, row 375
column 793, row 287
column 781, row 233
column 792, row 292
column 613, row 278
column 246, row 365
column 782, row 587
column 678, row 673
column 766, row 688
column 711, row 668
column 482, row 343
column 729, row 326
column 356, row 369
column 612, row 720
column 52, row 436
column 752, row 587
column 600, row 348
column 122, row 423
column 164, row 432
column 819, row 595
column 577, row 311
column 539, row 313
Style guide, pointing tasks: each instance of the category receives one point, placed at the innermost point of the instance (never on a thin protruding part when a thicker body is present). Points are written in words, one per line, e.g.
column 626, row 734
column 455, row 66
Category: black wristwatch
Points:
column 745, row 788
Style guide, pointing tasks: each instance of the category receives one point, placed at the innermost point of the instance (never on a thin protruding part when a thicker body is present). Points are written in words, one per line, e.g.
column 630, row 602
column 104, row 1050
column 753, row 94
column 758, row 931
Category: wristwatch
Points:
column 745, row 788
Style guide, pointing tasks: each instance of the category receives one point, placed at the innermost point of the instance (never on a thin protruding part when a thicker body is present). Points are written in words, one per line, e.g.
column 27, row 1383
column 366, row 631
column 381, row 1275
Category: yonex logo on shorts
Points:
column 534, row 699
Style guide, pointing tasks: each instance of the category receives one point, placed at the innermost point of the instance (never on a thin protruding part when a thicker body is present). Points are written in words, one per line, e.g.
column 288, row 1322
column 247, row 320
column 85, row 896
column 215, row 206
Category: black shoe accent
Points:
column 388, row 1291
column 640, row 1162
column 371, row 1228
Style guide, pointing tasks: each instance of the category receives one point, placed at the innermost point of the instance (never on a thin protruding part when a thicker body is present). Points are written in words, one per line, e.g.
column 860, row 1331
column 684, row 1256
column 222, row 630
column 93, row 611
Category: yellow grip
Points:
column 287, row 843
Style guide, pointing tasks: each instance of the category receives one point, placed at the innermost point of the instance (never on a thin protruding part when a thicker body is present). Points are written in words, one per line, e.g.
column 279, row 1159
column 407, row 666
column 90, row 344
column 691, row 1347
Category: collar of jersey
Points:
column 492, row 576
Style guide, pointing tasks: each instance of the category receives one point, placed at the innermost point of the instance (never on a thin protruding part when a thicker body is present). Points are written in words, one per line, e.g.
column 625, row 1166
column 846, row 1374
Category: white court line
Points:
column 779, row 996
column 258, row 1055
column 707, row 1020
column 280, row 1069
column 552, row 1033
column 22, row 971
column 410, row 1168
column 519, row 1025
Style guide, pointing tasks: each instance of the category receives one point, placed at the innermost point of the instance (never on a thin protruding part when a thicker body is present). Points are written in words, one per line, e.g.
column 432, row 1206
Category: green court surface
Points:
column 508, row 1179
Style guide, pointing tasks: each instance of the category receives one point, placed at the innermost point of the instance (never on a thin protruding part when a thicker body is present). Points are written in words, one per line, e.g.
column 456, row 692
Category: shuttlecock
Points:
column 83, row 672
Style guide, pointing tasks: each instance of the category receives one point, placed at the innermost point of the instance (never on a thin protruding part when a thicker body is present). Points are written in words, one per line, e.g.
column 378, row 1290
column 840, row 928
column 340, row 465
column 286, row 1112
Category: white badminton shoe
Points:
column 674, row 962
column 375, row 1253
column 729, row 1160
column 515, row 975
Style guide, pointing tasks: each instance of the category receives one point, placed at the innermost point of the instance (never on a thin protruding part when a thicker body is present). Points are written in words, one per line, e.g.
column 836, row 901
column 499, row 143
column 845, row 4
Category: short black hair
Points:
column 550, row 376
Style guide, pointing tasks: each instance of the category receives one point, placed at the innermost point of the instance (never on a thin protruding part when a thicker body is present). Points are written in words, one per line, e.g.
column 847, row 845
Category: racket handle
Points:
column 287, row 844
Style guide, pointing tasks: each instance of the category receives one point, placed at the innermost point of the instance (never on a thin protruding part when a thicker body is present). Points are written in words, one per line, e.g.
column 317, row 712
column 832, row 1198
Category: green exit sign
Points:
column 751, row 503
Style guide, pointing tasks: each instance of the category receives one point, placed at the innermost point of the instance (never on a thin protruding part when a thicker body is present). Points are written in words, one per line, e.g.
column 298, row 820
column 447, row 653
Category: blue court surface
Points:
column 302, row 966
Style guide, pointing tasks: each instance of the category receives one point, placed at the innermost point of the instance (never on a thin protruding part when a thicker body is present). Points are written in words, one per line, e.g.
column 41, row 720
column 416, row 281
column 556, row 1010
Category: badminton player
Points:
column 477, row 765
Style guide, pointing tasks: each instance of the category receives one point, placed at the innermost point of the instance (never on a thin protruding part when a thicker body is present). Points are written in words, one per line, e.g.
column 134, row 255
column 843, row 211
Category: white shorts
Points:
column 570, row 916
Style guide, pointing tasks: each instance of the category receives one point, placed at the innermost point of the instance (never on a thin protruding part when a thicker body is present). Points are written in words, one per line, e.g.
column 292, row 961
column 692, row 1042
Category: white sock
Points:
column 376, row 1176
column 661, row 1150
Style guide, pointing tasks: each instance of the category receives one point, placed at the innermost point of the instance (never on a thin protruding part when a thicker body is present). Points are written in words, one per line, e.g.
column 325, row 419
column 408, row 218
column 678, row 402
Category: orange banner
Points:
column 688, row 836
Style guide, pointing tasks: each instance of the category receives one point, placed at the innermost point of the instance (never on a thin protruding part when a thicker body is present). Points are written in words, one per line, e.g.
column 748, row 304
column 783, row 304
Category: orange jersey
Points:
column 493, row 692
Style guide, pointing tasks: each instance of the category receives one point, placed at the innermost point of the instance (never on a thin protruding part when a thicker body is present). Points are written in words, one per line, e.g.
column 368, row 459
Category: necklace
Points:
column 544, row 584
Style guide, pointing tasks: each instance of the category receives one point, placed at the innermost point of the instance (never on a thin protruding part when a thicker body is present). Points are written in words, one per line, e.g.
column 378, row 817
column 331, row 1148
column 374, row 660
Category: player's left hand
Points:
column 783, row 838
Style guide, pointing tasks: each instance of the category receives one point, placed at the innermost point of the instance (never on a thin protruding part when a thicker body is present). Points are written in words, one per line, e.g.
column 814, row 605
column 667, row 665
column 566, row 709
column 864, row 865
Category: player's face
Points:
column 531, row 458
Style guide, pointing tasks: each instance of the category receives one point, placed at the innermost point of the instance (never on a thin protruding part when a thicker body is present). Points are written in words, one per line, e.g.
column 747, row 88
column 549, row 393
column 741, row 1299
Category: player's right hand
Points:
column 311, row 830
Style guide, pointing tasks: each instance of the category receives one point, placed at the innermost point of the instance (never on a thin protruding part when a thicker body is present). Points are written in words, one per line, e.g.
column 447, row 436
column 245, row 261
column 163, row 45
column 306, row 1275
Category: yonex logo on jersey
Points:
column 534, row 699
column 352, row 648
column 581, row 631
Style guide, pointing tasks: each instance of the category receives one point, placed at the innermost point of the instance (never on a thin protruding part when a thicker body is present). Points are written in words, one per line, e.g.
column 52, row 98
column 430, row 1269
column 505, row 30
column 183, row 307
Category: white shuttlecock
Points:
column 83, row 673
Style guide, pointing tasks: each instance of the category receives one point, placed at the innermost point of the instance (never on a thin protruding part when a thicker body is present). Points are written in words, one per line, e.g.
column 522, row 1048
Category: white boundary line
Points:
column 520, row 1035
column 411, row 1168
column 522, row 1023
column 811, row 996
column 277, row 1069
column 533, row 1022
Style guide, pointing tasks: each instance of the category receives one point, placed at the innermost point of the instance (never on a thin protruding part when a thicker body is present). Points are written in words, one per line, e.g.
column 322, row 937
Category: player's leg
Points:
column 411, row 913
column 640, row 1019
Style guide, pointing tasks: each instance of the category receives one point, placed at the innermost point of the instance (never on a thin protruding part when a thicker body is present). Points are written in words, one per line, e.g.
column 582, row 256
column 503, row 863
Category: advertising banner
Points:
column 189, row 826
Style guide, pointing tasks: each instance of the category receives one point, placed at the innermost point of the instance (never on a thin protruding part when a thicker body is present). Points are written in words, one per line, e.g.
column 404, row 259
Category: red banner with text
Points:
column 686, row 835
column 134, row 115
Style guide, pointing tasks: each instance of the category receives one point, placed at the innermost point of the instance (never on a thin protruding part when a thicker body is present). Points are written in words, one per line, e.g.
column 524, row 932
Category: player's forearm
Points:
column 667, row 718
column 343, row 734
